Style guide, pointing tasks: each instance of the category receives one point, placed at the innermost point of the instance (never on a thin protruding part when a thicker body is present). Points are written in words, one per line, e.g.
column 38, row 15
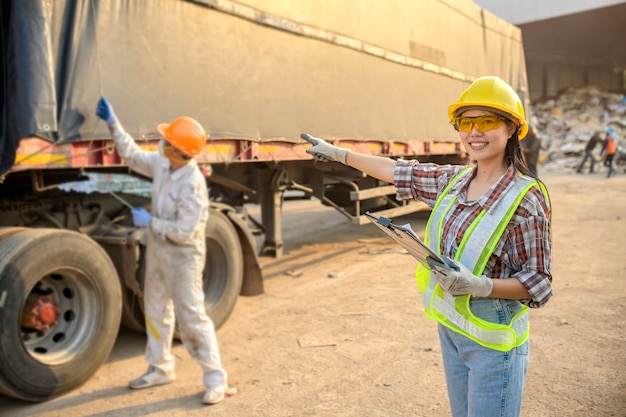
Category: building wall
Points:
column 569, row 43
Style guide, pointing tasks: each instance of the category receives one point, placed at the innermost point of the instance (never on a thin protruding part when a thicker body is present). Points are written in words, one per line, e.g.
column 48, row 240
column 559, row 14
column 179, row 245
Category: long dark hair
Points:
column 513, row 155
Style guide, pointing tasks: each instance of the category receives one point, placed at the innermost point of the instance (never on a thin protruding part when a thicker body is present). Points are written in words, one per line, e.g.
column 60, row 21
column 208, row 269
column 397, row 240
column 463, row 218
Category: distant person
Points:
column 530, row 148
column 609, row 148
column 490, row 222
column 589, row 148
column 175, row 251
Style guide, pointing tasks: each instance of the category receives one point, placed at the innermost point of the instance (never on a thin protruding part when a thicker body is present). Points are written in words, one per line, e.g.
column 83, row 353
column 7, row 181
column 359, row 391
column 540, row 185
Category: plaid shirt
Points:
column 524, row 250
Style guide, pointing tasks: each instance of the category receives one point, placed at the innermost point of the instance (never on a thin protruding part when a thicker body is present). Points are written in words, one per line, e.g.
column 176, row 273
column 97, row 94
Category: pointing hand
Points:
column 324, row 151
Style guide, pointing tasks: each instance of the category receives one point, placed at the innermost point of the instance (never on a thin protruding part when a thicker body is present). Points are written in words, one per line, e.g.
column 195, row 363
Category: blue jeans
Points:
column 483, row 382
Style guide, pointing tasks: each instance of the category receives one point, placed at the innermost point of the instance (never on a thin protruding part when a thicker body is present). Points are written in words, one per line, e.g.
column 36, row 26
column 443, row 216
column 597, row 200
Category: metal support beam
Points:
column 271, row 207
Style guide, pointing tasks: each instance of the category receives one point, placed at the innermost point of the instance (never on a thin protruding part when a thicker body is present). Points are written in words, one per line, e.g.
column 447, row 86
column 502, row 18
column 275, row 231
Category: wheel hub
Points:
column 42, row 313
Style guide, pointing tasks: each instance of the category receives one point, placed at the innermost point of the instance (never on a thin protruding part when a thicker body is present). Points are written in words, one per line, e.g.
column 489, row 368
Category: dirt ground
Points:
column 340, row 330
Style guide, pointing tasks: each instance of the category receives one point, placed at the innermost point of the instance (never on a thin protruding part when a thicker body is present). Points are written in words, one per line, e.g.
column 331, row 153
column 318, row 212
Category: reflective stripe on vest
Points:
column 477, row 245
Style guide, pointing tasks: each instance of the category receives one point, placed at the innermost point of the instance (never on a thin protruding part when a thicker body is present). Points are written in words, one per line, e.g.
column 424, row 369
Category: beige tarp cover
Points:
column 256, row 69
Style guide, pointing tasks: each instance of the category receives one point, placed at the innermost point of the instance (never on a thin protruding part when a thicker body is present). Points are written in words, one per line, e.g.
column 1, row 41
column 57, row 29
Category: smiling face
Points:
column 487, row 146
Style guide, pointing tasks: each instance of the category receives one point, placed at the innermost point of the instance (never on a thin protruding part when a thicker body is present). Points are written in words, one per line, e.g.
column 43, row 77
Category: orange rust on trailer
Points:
column 37, row 153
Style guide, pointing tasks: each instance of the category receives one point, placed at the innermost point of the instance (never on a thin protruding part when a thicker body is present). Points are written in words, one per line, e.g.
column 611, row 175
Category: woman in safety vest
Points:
column 490, row 223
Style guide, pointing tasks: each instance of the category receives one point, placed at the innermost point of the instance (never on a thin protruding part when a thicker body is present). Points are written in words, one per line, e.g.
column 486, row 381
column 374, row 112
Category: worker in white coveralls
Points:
column 175, row 251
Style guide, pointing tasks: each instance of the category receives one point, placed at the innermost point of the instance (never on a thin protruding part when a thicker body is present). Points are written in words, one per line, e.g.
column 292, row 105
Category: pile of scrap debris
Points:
column 566, row 123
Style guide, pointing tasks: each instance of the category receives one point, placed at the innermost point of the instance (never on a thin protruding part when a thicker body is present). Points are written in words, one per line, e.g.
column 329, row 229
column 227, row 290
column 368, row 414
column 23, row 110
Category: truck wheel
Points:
column 60, row 301
column 8, row 231
column 132, row 306
column 223, row 270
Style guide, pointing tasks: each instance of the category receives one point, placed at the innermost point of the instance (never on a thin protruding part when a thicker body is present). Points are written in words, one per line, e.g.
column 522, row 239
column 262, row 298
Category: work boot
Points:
column 214, row 395
column 151, row 378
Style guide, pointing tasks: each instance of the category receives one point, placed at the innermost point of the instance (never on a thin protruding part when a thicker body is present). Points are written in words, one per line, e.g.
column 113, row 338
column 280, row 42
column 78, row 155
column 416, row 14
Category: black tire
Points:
column 223, row 269
column 132, row 306
column 72, row 281
column 5, row 232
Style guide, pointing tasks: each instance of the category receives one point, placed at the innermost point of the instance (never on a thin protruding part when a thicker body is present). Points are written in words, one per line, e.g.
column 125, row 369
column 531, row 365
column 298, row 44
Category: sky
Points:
column 525, row 11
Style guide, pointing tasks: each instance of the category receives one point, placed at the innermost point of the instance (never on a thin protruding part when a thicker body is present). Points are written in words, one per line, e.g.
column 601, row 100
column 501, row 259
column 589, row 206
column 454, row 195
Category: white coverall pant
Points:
column 177, row 296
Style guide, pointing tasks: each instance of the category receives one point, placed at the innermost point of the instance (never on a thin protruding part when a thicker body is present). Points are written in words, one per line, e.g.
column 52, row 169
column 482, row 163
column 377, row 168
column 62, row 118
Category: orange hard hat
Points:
column 185, row 134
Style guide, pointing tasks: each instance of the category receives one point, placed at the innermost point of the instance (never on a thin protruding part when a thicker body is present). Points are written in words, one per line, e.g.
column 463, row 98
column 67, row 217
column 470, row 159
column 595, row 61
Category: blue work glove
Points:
column 141, row 218
column 456, row 279
column 324, row 151
column 105, row 111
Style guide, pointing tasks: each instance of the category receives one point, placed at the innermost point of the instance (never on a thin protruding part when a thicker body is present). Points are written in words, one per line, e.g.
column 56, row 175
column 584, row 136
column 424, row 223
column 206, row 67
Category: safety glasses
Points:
column 166, row 144
column 482, row 123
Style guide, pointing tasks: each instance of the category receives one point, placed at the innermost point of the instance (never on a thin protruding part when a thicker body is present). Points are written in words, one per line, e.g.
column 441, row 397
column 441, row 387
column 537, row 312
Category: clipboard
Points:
column 407, row 238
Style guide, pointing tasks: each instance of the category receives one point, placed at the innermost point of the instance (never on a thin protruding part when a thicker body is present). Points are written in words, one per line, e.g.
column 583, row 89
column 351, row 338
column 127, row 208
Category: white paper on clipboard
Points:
column 406, row 237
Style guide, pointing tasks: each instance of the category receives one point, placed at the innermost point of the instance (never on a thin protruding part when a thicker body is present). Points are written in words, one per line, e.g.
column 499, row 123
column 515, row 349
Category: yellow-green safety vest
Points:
column 476, row 247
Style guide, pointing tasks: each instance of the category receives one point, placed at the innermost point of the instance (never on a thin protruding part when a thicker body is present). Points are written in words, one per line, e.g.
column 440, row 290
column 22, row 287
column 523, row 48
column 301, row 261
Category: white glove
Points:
column 324, row 151
column 456, row 279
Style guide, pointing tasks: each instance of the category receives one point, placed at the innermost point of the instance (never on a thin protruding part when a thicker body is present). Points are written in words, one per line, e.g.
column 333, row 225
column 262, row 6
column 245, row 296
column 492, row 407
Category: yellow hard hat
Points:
column 185, row 134
column 492, row 93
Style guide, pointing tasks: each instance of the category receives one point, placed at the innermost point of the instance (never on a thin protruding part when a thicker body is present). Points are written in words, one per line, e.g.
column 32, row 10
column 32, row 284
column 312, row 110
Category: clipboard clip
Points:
column 383, row 221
